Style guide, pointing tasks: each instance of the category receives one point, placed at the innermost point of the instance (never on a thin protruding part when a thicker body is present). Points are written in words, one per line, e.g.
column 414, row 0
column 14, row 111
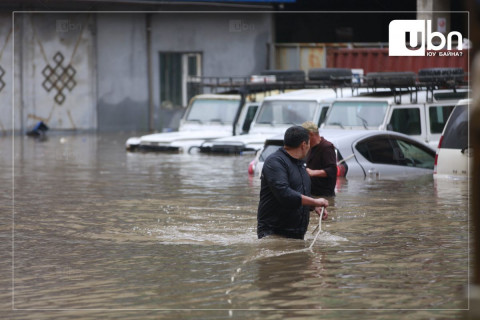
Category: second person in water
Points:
column 321, row 163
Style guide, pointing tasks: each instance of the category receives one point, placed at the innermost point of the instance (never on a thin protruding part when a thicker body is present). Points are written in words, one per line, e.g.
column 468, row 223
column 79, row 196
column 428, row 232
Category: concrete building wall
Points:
column 103, row 61
column 122, row 72
column 231, row 44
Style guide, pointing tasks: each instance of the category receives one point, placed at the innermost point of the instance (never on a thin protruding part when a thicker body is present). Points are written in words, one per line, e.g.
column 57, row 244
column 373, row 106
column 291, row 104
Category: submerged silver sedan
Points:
column 366, row 154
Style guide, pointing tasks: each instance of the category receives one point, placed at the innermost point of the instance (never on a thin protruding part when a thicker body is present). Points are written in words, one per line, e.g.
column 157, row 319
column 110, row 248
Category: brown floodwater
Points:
column 96, row 232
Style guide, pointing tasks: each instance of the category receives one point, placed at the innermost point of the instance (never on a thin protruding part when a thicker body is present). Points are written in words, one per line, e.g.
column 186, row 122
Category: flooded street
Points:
column 99, row 232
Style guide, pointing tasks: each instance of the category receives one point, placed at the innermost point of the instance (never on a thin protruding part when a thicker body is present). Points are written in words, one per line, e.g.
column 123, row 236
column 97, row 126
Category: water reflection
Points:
column 96, row 227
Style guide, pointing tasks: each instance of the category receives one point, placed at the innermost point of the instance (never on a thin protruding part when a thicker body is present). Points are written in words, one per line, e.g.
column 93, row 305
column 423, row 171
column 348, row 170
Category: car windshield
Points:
column 286, row 112
column 357, row 114
column 213, row 110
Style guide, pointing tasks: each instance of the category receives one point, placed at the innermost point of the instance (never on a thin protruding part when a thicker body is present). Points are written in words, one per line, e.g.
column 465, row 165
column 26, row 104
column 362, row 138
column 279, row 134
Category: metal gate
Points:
column 6, row 51
column 58, row 81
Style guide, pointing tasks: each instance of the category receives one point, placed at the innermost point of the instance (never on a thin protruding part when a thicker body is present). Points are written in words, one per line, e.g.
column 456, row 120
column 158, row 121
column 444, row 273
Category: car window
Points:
column 206, row 110
column 396, row 151
column 377, row 150
column 357, row 113
column 251, row 111
column 456, row 131
column 438, row 117
column 286, row 112
column 412, row 154
column 268, row 150
column 406, row 120
column 323, row 115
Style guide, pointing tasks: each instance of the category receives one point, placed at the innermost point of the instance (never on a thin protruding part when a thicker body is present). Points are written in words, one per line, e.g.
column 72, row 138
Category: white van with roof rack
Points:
column 225, row 114
column 409, row 113
column 418, row 106
column 276, row 114
column 208, row 116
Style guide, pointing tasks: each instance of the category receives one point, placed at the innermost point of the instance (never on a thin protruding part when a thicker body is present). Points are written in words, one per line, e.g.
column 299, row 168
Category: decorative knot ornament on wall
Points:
column 2, row 83
column 59, row 77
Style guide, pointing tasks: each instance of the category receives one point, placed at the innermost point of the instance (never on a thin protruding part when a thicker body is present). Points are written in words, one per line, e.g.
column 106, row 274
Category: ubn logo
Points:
column 420, row 39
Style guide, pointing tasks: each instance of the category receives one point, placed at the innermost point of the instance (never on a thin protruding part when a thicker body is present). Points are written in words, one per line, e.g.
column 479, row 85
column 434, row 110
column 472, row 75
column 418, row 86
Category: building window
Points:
column 176, row 72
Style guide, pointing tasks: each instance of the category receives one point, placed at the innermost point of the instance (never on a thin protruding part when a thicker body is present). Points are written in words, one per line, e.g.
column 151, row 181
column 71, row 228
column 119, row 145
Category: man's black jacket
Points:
column 280, row 211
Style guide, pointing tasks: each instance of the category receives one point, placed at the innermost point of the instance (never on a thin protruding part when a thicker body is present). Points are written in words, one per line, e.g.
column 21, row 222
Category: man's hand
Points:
column 317, row 173
column 321, row 202
column 318, row 210
column 314, row 202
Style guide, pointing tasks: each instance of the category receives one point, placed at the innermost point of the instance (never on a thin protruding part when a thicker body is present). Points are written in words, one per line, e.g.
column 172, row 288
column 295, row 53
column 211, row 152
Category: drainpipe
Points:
column 272, row 48
column 151, row 107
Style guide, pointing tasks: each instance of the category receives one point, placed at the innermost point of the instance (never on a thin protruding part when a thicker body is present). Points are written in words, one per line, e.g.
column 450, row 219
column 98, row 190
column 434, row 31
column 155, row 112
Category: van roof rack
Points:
column 398, row 83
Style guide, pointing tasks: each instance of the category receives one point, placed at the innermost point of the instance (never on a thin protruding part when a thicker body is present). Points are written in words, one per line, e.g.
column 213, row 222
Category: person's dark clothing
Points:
column 283, row 181
column 323, row 157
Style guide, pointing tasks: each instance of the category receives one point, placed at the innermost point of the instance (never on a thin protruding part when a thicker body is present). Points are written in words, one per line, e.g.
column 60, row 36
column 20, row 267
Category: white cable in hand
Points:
column 319, row 227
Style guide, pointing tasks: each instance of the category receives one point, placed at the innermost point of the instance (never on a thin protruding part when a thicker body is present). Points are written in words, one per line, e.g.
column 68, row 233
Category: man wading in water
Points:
column 285, row 201
column 321, row 163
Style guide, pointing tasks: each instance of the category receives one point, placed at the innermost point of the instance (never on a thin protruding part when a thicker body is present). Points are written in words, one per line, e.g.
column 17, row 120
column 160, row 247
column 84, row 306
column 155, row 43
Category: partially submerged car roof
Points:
column 333, row 135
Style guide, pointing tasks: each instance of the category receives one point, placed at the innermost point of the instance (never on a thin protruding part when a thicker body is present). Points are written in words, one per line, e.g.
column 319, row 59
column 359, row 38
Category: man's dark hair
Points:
column 294, row 136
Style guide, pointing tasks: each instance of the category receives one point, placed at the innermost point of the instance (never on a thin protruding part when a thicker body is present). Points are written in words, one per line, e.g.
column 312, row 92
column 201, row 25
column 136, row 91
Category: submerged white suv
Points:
column 276, row 114
column 208, row 116
column 454, row 153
